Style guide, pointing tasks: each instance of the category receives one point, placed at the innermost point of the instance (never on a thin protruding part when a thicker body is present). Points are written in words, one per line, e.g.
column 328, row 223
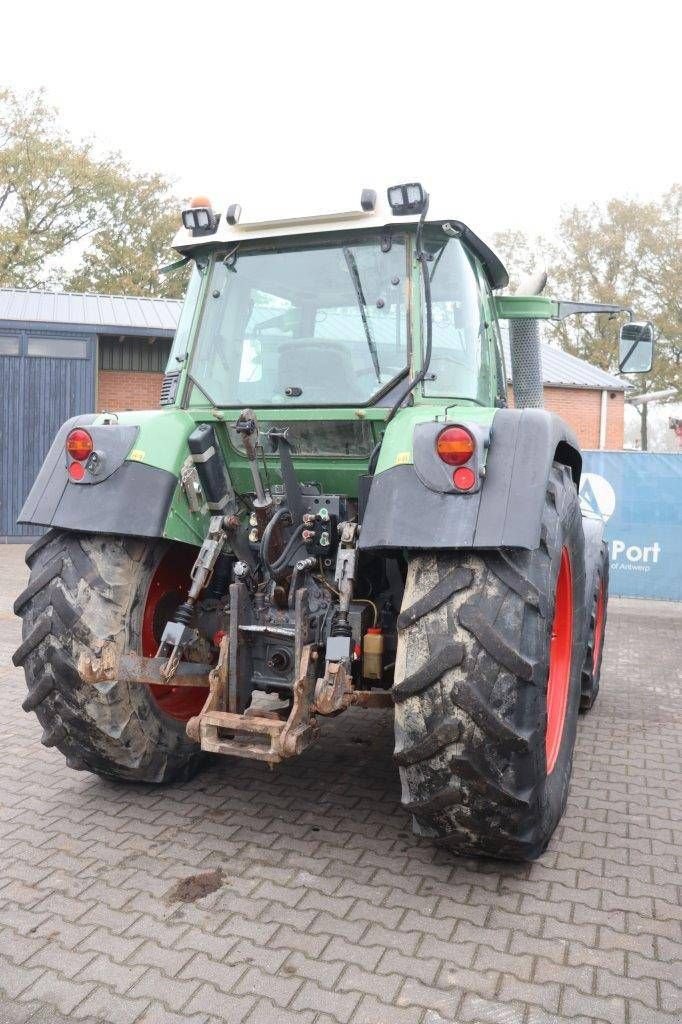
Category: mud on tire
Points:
column 84, row 591
column 470, row 691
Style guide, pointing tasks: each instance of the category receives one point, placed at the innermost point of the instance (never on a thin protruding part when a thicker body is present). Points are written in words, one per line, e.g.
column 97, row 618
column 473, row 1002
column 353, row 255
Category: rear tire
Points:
column 598, row 598
column 85, row 591
column 472, row 671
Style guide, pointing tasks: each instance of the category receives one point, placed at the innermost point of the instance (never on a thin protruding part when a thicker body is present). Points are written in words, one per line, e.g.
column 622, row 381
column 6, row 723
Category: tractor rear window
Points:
column 320, row 324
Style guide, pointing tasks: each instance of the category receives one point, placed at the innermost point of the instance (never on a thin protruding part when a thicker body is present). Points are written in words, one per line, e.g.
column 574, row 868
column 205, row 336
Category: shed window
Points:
column 57, row 348
column 9, row 345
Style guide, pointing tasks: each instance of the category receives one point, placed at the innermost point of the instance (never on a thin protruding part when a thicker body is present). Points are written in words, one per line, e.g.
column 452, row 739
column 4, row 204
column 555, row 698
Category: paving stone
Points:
column 418, row 967
column 172, row 991
column 338, row 949
column 118, row 947
column 443, row 998
column 65, row 962
column 290, row 938
column 59, row 992
column 323, row 972
column 16, row 980
column 545, row 995
column 372, row 1011
column 16, row 948
column 216, row 946
column 279, row 988
column 265, row 1012
column 476, row 1010
column 340, row 1004
column 645, row 1015
column 383, row 986
column 327, row 924
column 158, row 1014
column 107, row 1006
column 223, row 1005
column 609, row 1008
column 644, row 990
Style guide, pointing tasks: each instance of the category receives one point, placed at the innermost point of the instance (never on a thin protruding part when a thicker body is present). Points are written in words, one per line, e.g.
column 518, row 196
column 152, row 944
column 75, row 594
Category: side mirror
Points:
column 635, row 348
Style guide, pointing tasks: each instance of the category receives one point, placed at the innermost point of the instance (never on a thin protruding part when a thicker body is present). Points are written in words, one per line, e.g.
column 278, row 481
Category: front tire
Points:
column 486, row 698
column 85, row 591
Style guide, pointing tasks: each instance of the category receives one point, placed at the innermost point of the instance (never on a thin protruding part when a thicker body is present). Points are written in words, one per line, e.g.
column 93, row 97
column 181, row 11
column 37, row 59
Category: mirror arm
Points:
column 565, row 309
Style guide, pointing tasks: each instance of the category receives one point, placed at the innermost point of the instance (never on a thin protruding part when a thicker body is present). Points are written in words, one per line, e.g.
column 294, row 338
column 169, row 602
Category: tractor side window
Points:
column 178, row 352
column 461, row 362
column 498, row 382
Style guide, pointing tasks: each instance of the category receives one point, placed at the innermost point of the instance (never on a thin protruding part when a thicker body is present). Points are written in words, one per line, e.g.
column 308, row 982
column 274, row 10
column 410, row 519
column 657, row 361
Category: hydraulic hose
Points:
column 293, row 544
column 267, row 533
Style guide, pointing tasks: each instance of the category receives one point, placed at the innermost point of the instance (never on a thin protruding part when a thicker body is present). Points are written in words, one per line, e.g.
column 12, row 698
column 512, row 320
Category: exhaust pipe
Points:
column 524, row 343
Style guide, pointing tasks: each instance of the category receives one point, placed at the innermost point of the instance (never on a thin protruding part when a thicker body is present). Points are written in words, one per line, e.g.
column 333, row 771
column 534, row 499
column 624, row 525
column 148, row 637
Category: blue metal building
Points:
column 52, row 346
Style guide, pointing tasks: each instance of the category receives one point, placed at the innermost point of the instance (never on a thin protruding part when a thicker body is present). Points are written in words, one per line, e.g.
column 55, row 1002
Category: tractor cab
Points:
column 332, row 313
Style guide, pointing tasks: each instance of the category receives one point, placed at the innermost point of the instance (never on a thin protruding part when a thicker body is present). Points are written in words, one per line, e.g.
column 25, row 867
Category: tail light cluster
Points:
column 457, row 447
column 79, row 448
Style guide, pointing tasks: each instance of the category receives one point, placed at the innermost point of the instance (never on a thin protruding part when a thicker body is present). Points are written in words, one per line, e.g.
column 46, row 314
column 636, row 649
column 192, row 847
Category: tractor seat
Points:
column 323, row 370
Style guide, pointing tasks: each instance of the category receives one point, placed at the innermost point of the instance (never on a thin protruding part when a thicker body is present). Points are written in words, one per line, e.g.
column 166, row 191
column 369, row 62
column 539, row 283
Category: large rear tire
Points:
column 85, row 591
column 487, row 688
column 598, row 599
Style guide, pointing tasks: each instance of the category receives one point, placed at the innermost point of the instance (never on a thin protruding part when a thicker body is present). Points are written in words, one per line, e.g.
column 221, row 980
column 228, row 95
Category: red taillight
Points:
column 464, row 478
column 455, row 446
column 79, row 444
column 76, row 470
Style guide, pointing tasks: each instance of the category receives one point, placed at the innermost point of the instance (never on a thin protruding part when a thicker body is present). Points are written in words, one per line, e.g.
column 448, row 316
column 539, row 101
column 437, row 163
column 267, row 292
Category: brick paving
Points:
column 330, row 911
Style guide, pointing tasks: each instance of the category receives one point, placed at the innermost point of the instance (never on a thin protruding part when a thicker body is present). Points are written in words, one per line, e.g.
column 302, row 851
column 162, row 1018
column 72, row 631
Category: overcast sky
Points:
column 508, row 111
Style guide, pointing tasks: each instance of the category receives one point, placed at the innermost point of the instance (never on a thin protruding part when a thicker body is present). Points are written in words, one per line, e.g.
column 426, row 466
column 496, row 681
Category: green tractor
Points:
column 333, row 507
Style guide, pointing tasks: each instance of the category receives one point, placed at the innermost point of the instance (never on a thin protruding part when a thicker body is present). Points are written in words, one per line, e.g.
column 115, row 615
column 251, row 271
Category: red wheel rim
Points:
column 599, row 625
column 167, row 589
column 560, row 652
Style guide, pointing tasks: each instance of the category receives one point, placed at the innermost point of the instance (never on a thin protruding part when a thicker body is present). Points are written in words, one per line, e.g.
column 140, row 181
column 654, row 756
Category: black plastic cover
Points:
column 403, row 513
column 126, row 498
column 134, row 501
column 210, row 466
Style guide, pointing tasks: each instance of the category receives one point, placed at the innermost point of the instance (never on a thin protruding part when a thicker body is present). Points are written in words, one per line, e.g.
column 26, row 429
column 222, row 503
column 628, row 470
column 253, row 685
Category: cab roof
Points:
column 350, row 216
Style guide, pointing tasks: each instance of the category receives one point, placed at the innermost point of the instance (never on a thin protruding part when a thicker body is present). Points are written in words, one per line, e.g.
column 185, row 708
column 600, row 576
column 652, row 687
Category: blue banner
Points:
column 638, row 496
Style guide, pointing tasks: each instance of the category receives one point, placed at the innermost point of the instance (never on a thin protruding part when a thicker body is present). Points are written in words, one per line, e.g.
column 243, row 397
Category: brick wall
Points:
column 581, row 409
column 119, row 390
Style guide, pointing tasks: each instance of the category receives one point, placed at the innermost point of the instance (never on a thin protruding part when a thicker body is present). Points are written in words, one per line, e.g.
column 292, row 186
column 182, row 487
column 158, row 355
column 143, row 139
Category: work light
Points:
column 406, row 199
column 199, row 217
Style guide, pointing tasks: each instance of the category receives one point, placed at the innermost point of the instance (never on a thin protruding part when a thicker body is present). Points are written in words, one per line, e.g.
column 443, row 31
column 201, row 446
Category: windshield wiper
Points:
column 357, row 284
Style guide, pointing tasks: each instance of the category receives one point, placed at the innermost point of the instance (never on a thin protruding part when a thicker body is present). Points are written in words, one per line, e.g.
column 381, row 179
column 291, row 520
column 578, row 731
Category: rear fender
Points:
column 125, row 496
column 407, row 508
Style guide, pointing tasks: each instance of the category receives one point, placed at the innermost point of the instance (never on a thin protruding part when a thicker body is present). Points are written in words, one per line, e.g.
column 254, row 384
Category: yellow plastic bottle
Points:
column 373, row 653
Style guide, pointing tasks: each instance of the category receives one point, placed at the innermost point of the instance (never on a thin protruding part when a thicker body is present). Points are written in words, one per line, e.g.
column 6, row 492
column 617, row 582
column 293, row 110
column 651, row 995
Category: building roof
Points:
column 562, row 370
column 122, row 313
column 78, row 309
